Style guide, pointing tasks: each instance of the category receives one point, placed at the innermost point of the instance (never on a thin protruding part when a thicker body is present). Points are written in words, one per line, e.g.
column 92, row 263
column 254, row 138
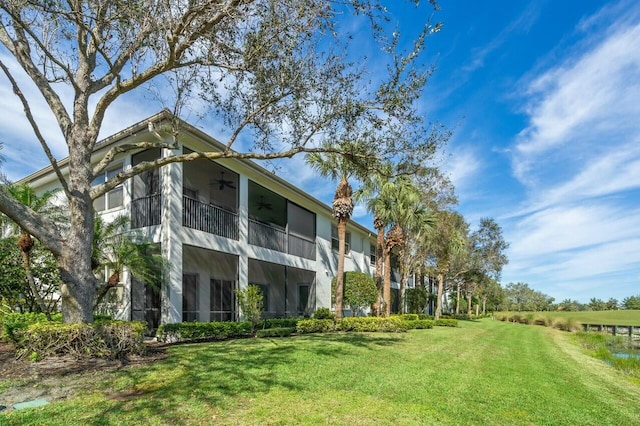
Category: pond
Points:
column 626, row 355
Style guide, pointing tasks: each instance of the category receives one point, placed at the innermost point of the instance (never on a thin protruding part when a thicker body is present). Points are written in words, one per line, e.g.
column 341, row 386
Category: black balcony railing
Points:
column 267, row 236
column 146, row 211
column 209, row 218
column 301, row 246
column 263, row 235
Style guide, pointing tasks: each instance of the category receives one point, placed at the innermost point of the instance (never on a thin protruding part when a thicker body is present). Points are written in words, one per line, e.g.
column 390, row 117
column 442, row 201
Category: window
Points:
column 334, row 240
column 112, row 199
column 372, row 254
column 190, row 297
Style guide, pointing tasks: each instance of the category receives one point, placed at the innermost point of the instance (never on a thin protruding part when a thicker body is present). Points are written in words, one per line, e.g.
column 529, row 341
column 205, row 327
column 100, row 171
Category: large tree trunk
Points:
column 26, row 244
column 484, row 305
column 387, row 282
column 469, row 298
column 439, row 295
column 78, row 282
column 458, row 298
column 342, row 233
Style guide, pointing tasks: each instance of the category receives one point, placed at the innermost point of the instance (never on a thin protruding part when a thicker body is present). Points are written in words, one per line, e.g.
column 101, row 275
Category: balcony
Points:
column 209, row 218
column 146, row 211
column 271, row 237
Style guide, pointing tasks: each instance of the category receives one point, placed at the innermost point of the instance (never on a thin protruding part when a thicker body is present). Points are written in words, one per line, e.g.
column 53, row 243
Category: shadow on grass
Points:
column 204, row 378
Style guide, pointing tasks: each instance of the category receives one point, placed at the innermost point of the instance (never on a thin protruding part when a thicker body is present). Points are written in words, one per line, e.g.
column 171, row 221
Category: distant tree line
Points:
column 520, row 297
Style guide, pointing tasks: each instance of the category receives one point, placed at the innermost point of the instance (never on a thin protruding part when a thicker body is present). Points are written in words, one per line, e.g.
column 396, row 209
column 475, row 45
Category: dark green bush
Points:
column 323, row 313
column 371, row 324
column 446, row 322
column 359, row 291
column 279, row 323
column 315, row 326
column 276, row 332
column 417, row 299
column 107, row 339
column 419, row 324
column 202, row 330
column 425, row 317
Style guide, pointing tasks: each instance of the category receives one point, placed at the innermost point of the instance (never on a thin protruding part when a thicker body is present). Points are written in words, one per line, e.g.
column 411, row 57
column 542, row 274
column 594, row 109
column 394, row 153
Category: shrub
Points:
column 315, row 326
column 251, row 302
column 568, row 324
column 409, row 317
column 323, row 313
column 202, row 330
column 371, row 324
column 122, row 337
column 419, row 324
column 359, row 290
column 14, row 322
column 276, row 332
column 446, row 322
column 115, row 339
column 425, row 317
column 280, row 323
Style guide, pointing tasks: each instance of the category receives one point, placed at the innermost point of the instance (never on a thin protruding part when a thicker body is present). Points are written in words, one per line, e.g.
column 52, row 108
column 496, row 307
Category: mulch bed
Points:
column 12, row 368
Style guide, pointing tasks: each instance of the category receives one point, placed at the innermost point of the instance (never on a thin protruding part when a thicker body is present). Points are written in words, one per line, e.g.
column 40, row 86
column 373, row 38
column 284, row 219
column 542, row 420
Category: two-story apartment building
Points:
column 220, row 225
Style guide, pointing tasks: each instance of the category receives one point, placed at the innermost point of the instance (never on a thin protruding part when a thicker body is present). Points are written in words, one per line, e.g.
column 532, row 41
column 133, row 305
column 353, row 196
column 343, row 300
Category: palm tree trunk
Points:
column 342, row 233
column 379, row 269
column 469, row 297
column 26, row 262
column 457, row 298
column 484, row 305
column 387, row 282
column 439, row 296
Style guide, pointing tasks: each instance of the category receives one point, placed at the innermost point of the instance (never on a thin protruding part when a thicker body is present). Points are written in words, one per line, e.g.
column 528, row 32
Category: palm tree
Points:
column 398, row 206
column 446, row 246
column 115, row 249
column 341, row 168
column 26, row 195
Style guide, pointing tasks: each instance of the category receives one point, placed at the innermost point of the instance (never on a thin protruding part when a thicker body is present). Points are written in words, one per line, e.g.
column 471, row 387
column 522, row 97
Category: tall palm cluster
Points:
column 415, row 222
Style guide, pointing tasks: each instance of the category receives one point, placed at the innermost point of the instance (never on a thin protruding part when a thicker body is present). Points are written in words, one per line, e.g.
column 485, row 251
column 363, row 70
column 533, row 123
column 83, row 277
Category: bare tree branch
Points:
column 36, row 129
column 110, row 155
column 99, row 190
column 20, row 50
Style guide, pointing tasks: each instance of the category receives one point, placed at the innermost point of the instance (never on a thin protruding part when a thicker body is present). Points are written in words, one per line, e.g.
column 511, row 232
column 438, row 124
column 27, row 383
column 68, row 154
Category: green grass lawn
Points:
column 485, row 372
column 620, row 317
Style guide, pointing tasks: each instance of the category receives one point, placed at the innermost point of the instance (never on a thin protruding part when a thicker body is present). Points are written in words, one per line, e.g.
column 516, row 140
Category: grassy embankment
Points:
column 619, row 317
column 485, row 372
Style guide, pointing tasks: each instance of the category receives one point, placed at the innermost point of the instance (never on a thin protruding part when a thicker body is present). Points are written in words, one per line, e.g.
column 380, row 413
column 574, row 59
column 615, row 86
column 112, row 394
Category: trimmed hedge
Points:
column 425, row 317
column 371, row 324
column 113, row 339
column 419, row 324
column 315, row 326
column 279, row 323
column 14, row 322
column 276, row 332
column 218, row 330
column 446, row 322
column 408, row 317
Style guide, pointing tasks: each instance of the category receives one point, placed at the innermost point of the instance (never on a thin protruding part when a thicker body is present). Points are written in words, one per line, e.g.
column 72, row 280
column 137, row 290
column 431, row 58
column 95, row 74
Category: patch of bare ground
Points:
column 58, row 378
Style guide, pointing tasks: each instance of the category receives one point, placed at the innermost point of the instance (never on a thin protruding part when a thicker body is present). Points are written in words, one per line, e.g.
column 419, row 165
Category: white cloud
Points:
column 576, row 235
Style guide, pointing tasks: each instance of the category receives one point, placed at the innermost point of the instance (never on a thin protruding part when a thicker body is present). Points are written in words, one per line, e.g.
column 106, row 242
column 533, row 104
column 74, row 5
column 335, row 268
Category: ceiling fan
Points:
column 263, row 204
column 223, row 183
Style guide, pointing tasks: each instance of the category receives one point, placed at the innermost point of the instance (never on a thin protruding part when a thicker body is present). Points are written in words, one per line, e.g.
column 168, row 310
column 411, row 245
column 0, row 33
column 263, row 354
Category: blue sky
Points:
column 544, row 101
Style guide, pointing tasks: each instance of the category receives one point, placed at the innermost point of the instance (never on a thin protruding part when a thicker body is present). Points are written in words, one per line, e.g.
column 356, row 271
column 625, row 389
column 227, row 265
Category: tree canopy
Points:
column 284, row 77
